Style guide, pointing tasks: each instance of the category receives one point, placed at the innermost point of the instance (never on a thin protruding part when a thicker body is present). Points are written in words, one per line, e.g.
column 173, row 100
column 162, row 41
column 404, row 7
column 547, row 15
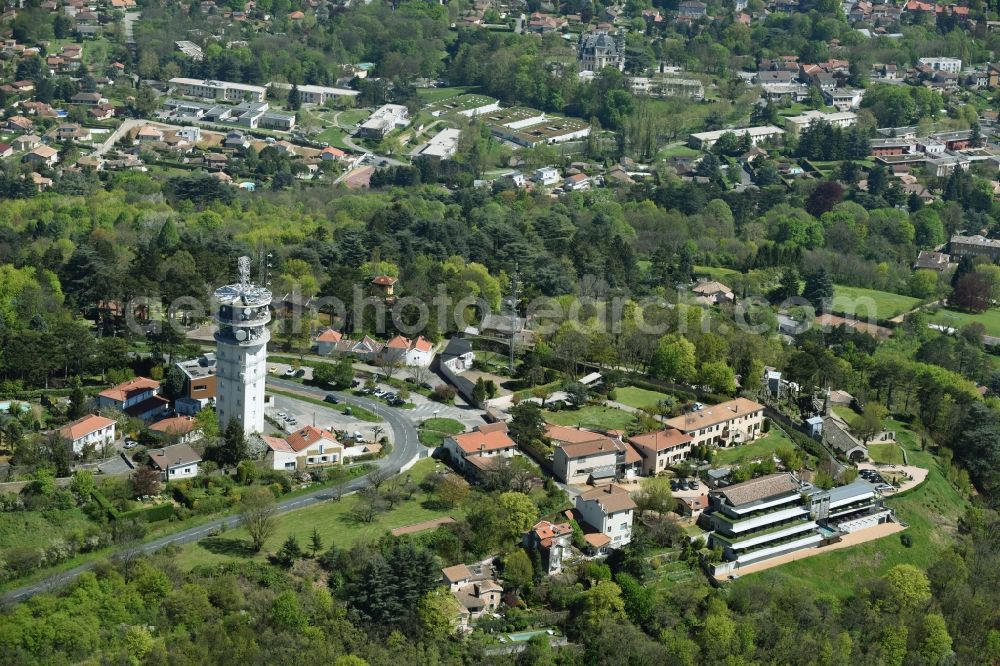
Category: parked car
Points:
column 332, row 399
column 300, row 372
column 290, row 372
column 694, row 484
column 130, row 444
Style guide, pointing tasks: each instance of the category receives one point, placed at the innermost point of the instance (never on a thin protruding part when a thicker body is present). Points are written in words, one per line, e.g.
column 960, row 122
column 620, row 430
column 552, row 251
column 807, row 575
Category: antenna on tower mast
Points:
column 513, row 316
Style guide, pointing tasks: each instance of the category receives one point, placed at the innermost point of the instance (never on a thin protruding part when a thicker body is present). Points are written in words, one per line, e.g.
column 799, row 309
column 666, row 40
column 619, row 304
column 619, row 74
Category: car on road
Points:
column 332, row 399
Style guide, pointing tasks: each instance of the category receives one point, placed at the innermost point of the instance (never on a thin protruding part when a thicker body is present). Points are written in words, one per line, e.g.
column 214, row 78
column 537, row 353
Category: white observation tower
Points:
column 242, row 317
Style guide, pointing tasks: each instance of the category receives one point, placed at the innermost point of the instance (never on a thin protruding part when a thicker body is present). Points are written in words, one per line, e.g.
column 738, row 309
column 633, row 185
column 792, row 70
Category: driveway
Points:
column 407, row 450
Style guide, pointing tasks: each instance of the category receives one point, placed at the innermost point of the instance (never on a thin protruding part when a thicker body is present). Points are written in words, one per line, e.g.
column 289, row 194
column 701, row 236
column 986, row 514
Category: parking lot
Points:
column 287, row 371
column 294, row 414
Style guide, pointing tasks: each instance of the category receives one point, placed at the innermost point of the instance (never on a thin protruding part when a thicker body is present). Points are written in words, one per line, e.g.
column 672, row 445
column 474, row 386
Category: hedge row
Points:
column 105, row 504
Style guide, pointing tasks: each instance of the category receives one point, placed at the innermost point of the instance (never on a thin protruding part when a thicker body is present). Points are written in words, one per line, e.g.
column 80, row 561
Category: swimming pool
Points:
column 5, row 406
column 519, row 636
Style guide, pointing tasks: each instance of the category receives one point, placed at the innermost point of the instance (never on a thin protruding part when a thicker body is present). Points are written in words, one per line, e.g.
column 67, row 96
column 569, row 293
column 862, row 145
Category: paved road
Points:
column 406, row 448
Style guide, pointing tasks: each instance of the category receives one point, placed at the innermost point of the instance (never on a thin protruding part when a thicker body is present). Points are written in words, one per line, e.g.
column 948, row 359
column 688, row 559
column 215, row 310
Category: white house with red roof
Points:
column 410, row 352
column 326, row 342
column 139, row 397
column 331, row 153
column 91, row 430
column 306, row 448
column 486, row 441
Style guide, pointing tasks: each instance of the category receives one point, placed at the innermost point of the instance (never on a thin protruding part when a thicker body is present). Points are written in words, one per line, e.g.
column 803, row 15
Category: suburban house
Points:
column 608, row 510
column 712, row 292
column 139, row 397
column 476, row 588
column 326, row 342
column 199, row 384
column 305, row 448
column 776, row 514
column 486, row 441
column 934, row 261
column 180, row 429
column 410, row 352
column 175, row 462
column 552, row 541
column 42, row 156
column 386, row 284
column 583, row 456
column 692, row 507
column 661, row 449
column 26, row 142
column 93, row 430
column 331, row 153
column 734, row 422
column 836, row 434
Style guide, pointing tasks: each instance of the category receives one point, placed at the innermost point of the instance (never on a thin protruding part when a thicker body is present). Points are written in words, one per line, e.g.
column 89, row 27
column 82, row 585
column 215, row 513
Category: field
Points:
column 352, row 117
column 333, row 519
column 432, row 95
column 37, row 529
column 679, row 151
column 885, row 453
column 955, row 319
column 592, row 416
column 715, row 272
column 639, row 398
column 855, row 300
column 761, row 448
column 333, row 136
column 433, row 431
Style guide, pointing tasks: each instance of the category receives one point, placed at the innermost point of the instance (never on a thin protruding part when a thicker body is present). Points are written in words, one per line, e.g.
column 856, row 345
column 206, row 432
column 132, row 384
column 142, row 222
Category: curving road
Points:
column 406, row 449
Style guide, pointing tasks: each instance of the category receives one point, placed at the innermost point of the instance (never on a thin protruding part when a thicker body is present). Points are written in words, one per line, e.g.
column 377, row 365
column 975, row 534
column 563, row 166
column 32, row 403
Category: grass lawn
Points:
column 955, row 319
column 333, row 136
column 639, row 398
column 353, row 116
column 714, row 272
column 679, row 151
column 761, row 448
column 885, row 453
column 593, row 416
column 333, row 520
column 864, row 302
column 431, row 95
column 433, row 431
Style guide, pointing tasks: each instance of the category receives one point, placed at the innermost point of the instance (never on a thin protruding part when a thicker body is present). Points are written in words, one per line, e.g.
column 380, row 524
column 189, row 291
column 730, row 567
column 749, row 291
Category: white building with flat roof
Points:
column 796, row 124
column 385, row 119
column 310, row 94
column 218, row 90
column 950, row 65
column 443, row 145
column 705, row 140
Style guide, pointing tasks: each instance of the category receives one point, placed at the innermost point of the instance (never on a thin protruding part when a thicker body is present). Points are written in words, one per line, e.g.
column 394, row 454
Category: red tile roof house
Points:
column 139, row 397
column 410, row 352
column 661, row 449
column 326, row 341
column 552, row 541
column 486, row 441
column 304, row 449
column 6, row 150
column 182, row 429
column 91, row 430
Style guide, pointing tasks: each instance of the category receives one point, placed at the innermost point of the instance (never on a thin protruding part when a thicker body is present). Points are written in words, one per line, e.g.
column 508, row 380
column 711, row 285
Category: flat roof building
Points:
column 218, row 90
